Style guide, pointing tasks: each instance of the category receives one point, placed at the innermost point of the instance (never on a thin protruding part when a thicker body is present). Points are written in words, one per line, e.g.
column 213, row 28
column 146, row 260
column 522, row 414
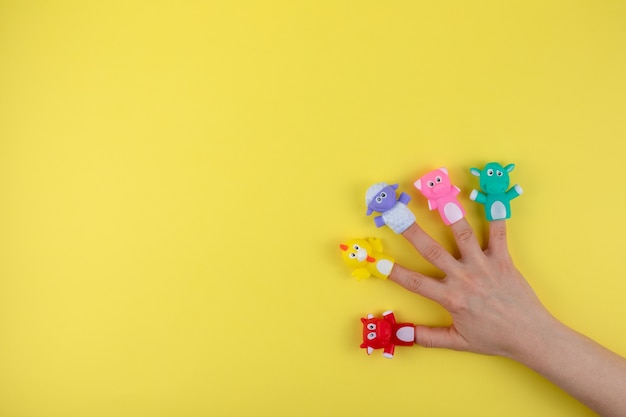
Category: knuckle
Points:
column 433, row 253
column 424, row 340
column 499, row 234
column 455, row 303
column 414, row 284
column 464, row 235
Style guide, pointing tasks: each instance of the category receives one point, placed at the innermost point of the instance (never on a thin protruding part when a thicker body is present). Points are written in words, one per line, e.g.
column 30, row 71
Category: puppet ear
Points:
column 418, row 184
column 376, row 243
column 475, row 172
column 444, row 170
column 509, row 167
column 343, row 247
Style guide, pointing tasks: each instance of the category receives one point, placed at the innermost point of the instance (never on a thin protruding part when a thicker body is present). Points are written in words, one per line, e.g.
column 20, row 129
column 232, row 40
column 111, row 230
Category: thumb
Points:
column 439, row 337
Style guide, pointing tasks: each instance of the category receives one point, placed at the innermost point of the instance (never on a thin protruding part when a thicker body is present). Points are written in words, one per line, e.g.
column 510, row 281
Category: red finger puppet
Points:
column 385, row 333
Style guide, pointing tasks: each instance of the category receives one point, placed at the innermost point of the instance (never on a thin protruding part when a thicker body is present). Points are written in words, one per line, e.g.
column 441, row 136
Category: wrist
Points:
column 532, row 336
column 538, row 342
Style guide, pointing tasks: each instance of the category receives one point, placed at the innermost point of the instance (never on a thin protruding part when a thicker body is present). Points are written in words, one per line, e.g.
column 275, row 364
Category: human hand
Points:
column 494, row 309
column 496, row 312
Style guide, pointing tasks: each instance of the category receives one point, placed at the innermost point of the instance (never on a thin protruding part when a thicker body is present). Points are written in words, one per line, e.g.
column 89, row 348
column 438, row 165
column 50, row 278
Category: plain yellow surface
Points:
column 175, row 178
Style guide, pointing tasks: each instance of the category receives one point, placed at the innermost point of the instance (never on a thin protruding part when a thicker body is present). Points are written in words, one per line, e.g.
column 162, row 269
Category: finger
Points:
column 466, row 239
column 418, row 283
column 430, row 249
column 497, row 238
column 439, row 337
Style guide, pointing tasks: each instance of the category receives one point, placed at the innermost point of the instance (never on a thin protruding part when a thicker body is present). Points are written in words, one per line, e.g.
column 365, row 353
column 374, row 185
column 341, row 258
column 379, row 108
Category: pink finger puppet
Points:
column 441, row 195
column 365, row 257
column 381, row 198
column 384, row 333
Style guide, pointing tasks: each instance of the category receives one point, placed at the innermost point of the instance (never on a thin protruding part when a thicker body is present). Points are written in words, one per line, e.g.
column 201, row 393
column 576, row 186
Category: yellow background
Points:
column 175, row 178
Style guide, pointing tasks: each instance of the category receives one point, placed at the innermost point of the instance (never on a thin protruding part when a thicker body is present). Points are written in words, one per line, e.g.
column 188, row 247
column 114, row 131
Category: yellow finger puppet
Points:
column 366, row 258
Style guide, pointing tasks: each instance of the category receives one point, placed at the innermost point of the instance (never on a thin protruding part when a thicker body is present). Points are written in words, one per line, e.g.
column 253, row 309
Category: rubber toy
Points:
column 441, row 195
column 381, row 198
column 384, row 333
column 494, row 182
column 366, row 258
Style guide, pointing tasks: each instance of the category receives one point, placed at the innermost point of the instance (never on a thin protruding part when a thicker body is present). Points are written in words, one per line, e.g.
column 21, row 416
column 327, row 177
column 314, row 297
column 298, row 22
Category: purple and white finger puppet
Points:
column 381, row 198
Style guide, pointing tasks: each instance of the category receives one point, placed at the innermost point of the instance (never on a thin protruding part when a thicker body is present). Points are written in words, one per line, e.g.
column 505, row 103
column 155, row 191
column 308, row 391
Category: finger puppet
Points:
column 494, row 181
column 441, row 195
column 381, row 198
column 385, row 333
column 366, row 258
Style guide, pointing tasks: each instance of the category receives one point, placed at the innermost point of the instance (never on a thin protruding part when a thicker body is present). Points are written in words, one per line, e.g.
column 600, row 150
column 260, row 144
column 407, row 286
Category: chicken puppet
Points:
column 366, row 258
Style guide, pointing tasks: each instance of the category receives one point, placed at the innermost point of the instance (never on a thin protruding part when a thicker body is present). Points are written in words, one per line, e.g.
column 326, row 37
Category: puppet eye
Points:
column 352, row 255
column 490, row 172
column 499, row 173
column 356, row 247
column 438, row 179
column 371, row 326
column 383, row 195
column 431, row 184
column 379, row 199
column 371, row 336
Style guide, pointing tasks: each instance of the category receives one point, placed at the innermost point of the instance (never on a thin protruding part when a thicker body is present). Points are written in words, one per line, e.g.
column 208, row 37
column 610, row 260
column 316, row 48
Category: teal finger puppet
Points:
column 365, row 257
column 494, row 181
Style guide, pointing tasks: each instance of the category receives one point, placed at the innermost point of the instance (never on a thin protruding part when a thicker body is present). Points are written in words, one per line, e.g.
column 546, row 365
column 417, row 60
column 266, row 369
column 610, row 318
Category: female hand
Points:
column 494, row 309
column 496, row 312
